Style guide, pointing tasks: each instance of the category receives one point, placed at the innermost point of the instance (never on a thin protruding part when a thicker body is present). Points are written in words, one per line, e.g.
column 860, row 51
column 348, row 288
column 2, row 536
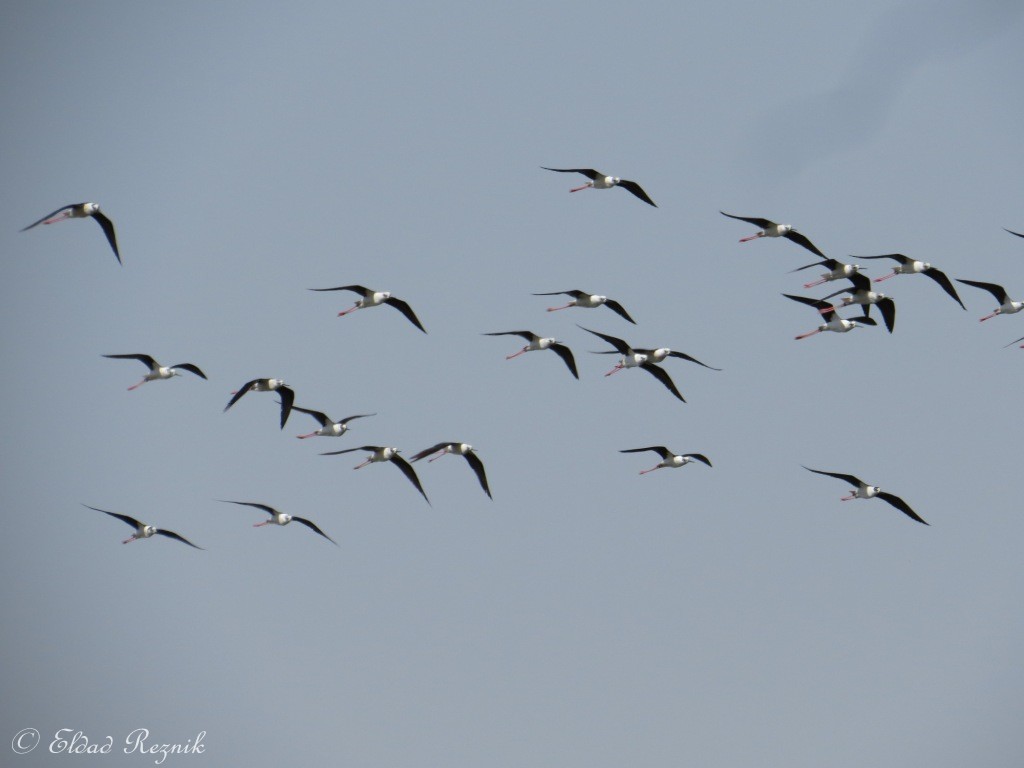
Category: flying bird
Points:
column 669, row 460
column 862, row 294
column 80, row 211
column 281, row 518
column 771, row 229
column 589, row 301
column 328, row 428
column 1006, row 305
column 373, row 298
column 142, row 531
column 458, row 449
column 379, row 453
column 267, row 385
column 599, row 181
column 837, row 270
column 538, row 343
column 157, row 371
column 908, row 266
column 833, row 322
column 632, row 358
column 865, row 491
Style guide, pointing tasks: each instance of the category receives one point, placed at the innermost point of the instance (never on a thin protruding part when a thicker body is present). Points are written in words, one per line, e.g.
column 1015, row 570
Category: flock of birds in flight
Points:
column 859, row 293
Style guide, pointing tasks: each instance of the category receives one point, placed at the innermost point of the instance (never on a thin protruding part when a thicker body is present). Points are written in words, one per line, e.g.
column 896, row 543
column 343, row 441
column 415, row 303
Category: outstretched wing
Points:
column 698, row 457
column 108, row 230
column 618, row 309
column 269, row 510
column 622, row 347
column 839, row 476
column 684, row 356
column 762, row 223
column 238, row 395
column 901, row 505
column 287, row 399
column 590, row 173
column 126, row 518
column 410, row 473
column 144, row 359
column 996, row 290
column 528, row 335
column 406, row 310
column 173, row 535
column 662, row 375
column 637, row 190
column 313, row 527
column 428, row 451
column 566, row 354
column 800, row 239
column 356, row 288
column 888, row 309
column 478, row 469
column 661, row 450
column 50, row 216
column 190, row 368
column 940, row 277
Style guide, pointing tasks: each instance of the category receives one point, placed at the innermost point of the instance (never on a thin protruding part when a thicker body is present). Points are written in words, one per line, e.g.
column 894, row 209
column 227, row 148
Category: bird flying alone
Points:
column 833, row 322
column 328, row 428
column 380, row 453
column 1006, row 305
column 770, row 229
column 143, row 531
column 669, row 460
column 589, row 301
column 599, row 181
column 539, row 343
column 81, row 211
column 157, row 371
column 908, row 266
column 267, row 385
column 457, row 449
column 373, row 298
column 864, row 491
column 281, row 518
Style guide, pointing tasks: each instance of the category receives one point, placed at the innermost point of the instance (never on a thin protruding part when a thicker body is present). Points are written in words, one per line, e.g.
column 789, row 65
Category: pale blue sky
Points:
column 587, row 617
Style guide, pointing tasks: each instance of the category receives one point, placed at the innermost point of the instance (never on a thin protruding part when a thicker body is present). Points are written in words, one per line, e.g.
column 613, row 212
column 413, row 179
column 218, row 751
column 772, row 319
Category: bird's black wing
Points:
column 684, row 356
column 410, row 473
column 637, row 190
column 622, row 347
column 566, row 354
column 321, row 417
column 313, row 527
column 406, row 310
column 269, row 510
column 839, row 476
column 1014, row 342
column 428, row 451
column 618, row 309
column 828, row 263
column 191, row 368
column 355, row 288
column 996, row 290
column 287, row 399
column 816, row 303
column 1018, row 234
column 173, row 535
column 661, row 450
column 126, row 518
column 108, row 230
column 347, row 419
column 528, row 335
column 662, row 375
column 762, row 223
column 144, row 359
column 901, row 505
column 238, row 395
column 698, row 457
column 51, row 215
column 574, row 294
column 860, row 282
column 801, row 239
column 888, row 309
column 897, row 256
column 478, row 469
column 940, row 277
column 590, row 173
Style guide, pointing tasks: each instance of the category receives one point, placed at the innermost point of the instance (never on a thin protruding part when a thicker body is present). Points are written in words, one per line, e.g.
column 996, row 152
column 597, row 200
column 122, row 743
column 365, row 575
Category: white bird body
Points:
column 634, row 360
